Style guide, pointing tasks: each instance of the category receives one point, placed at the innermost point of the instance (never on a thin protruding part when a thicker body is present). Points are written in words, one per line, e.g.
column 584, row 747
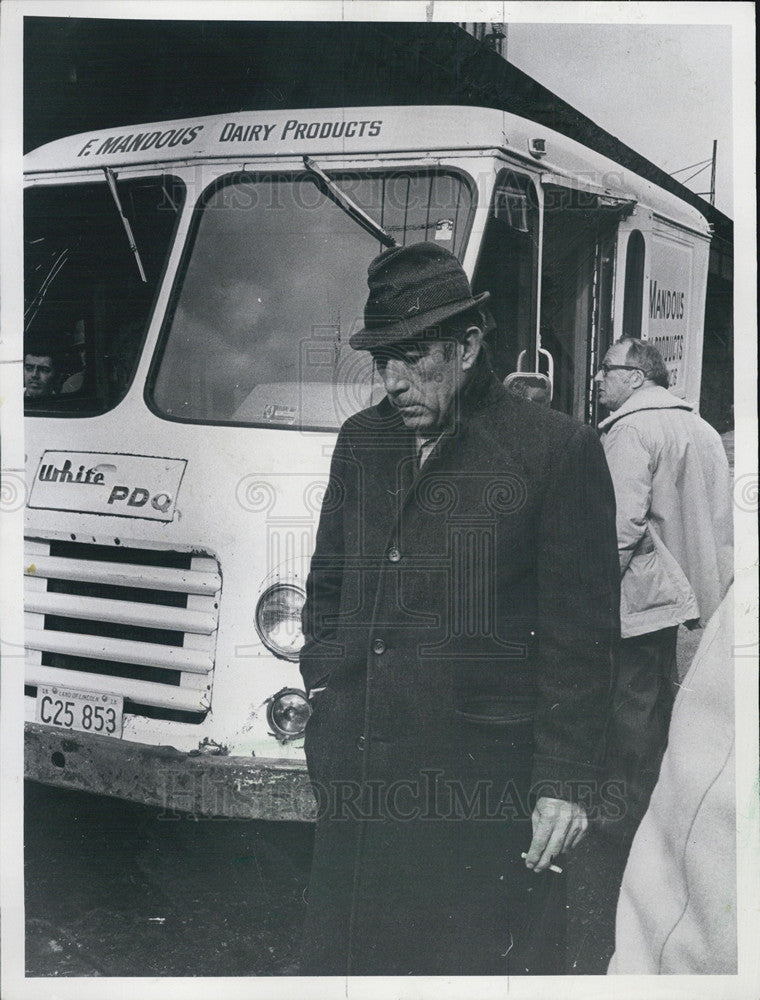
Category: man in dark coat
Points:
column 461, row 613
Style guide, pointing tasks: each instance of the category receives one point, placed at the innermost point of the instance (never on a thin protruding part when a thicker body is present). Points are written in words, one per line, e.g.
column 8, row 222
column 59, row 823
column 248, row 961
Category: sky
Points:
column 664, row 90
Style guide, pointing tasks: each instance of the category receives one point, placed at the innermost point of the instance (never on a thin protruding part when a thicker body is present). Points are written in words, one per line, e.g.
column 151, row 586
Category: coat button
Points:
column 393, row 553
column 361, row 743
column 378, row 646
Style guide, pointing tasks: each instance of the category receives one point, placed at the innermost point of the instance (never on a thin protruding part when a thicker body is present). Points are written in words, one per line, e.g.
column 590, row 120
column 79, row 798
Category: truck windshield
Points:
column 87, row 303
column 273, row 284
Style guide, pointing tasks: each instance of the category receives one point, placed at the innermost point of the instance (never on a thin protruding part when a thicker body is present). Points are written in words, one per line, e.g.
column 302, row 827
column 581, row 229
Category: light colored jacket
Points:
column 674, row 511
column 677, row 907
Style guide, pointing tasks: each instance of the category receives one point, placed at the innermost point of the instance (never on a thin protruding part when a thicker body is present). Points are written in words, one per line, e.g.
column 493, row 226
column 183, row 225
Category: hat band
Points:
column 380, row 320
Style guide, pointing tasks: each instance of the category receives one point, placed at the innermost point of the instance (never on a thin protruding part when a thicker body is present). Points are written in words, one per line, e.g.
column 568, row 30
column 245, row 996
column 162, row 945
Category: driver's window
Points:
column 87, row 302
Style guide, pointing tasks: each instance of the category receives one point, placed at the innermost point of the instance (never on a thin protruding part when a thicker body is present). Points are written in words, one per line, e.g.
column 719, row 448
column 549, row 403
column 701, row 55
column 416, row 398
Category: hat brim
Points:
column 368, row 339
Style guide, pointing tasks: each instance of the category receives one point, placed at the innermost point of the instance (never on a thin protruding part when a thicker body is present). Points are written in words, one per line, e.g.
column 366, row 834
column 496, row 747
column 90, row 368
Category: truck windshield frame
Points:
column 271, row 284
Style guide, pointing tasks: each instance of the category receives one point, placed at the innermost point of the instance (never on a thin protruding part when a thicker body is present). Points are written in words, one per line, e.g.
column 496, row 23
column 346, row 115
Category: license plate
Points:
column 86, row 711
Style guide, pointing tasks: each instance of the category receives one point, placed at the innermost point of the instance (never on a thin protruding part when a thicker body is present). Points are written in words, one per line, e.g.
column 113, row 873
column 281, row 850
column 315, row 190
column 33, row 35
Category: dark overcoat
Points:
column 462, row 620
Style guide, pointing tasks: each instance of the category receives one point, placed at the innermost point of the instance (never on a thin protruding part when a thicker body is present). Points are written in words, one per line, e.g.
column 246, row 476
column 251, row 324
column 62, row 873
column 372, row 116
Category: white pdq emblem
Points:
column 105, row 483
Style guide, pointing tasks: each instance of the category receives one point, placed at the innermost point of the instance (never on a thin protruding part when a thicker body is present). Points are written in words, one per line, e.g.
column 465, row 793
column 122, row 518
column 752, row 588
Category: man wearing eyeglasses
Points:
column 675, row 542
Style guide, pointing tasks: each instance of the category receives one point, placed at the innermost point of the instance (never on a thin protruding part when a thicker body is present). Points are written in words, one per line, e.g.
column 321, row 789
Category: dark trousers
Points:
column 642, row 705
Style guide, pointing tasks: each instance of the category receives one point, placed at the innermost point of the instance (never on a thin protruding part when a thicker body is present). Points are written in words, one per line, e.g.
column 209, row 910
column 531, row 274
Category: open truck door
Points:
column 578, row 251
column 508, row 268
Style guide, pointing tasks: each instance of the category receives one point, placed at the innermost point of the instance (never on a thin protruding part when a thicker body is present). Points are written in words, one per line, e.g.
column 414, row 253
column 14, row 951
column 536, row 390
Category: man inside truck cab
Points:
column 41, row 371
column 461, row 613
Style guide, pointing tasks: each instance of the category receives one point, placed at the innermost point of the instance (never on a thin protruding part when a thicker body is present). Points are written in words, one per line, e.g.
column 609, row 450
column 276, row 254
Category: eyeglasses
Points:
column 606, row 369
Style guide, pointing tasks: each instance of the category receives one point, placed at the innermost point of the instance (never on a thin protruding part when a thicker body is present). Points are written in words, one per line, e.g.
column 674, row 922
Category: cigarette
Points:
column 552, row 868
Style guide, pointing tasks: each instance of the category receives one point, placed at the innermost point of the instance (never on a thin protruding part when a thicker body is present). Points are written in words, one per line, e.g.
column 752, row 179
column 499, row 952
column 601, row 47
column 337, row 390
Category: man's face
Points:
column 39, row 375
column 615, row 384
column 421, row 380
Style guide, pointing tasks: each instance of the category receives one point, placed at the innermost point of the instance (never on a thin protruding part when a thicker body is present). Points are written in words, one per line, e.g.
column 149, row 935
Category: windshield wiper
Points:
column 111, row 178
column 349, row 207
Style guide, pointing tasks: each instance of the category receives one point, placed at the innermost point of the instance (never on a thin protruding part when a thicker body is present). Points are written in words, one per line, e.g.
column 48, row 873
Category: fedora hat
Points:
column 411, row 289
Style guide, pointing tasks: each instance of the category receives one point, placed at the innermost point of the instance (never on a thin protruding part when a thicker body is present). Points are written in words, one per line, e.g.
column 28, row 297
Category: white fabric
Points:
column 677, row 907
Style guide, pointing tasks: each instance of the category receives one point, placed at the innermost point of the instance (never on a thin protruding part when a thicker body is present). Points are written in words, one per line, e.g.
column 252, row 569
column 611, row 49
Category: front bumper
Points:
column 160, row 776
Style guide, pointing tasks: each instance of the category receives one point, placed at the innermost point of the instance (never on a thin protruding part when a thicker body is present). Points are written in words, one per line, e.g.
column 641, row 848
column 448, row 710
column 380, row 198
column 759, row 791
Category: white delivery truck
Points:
column 190, row 290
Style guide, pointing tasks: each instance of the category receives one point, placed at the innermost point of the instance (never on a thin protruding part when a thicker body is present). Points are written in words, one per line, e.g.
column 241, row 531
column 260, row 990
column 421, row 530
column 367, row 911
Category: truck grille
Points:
column 140, row 623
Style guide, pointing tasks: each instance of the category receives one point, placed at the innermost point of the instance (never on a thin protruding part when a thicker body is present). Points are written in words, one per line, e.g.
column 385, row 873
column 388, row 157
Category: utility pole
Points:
column 702, row 165
column 712, row 174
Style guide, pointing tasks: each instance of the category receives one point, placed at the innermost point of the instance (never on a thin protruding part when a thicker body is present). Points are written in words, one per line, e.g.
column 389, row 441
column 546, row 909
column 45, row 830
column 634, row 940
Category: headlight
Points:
column 287, row 713
column 278, row 619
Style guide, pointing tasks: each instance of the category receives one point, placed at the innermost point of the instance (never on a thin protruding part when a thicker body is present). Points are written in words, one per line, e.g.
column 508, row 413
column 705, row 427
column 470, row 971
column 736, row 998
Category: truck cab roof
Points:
column 250, row 135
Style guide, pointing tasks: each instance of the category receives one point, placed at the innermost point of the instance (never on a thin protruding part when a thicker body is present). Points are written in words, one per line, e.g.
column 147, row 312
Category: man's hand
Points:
column 558, row 826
